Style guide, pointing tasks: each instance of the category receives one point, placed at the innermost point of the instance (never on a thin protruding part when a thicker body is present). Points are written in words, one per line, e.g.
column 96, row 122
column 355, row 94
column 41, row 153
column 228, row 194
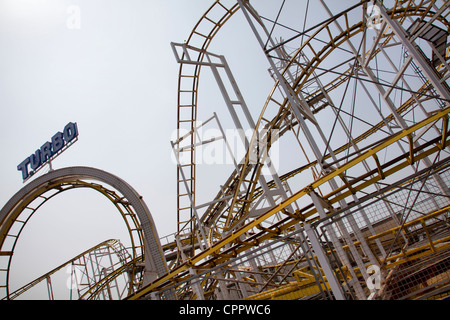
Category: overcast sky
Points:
column 107, row 65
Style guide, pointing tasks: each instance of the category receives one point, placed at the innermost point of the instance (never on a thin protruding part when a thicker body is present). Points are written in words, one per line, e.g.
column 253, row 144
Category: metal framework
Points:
column 385, row 60
column 144, row 238
column 104, row 272
column 359, row 208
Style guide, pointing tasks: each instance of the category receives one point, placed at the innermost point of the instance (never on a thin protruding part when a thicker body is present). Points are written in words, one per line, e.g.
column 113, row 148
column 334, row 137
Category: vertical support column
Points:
column 312, row 263
column 427, row 70
column 339, row 250
column 412, row 50
column 302, row 111
column 189, row 193
column 324, row 263
column 50, row 288
column 384, row 94
column 214, row 62
column 196, row 287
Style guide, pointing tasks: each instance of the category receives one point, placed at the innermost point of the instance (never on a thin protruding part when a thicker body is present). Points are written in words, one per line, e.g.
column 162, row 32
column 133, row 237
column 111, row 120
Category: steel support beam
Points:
column 324, row 263
column 412, row 50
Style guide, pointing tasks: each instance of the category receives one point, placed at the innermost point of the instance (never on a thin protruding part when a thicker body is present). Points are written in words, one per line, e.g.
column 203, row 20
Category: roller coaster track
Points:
column 232, row 230
column 94, row 282
column 233, row 244
column 25, row 203
column 188, row 85
column 367, row 188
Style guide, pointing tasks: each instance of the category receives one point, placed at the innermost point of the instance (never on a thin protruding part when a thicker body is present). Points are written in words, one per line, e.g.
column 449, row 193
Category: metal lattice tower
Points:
column 362, row 93
column 359, row 208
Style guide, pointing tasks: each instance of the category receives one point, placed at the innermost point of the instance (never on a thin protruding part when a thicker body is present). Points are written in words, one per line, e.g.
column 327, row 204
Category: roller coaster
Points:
column 358, row 208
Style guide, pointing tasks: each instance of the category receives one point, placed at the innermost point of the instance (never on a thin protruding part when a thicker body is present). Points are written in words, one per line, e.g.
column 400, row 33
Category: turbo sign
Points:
column 48, row 151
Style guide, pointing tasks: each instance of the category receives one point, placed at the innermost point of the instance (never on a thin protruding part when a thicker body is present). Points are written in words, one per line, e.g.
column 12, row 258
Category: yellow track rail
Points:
column 216, row 250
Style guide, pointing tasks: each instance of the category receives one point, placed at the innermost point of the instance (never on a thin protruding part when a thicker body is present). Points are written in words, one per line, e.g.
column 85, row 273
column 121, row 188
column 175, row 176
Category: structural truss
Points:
column 358, row 117
column 361, row 98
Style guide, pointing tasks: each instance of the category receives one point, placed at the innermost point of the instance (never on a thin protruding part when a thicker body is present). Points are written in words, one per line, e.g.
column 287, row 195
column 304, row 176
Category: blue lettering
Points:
column 46, row 151
column 57, row 142
column 23, row 167
column 35, row 160
column 70, row 131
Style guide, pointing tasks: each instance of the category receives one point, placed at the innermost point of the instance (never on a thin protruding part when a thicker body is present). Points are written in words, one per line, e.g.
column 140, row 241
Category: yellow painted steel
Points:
column 292, row 291
column 185, row 215
column 99, row 286
column 221, row 220
column 130, row 219
column 91, row 292
column 214, row 250
column 73, row 184
column 320, row 55
column 309, row 286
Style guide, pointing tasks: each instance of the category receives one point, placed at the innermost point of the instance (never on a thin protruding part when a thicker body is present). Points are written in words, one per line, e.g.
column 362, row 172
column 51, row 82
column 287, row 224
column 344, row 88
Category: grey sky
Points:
column 116, row 76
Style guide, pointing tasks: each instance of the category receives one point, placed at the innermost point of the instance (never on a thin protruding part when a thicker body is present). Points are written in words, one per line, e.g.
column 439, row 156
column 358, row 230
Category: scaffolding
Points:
column 360, row 208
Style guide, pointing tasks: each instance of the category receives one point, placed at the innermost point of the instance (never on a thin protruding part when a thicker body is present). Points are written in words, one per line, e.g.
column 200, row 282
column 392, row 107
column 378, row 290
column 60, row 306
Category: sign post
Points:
column 49, row 151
